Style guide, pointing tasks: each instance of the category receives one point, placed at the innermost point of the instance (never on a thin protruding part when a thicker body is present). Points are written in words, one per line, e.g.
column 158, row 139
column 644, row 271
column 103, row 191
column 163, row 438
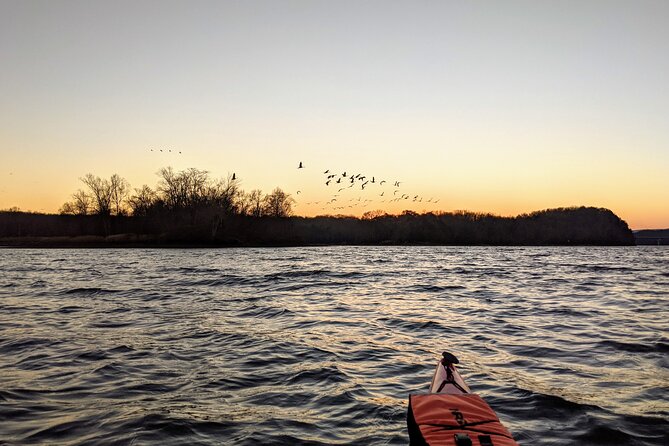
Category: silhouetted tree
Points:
column 186, row 189
column 119, row 189
column 101, row 193
column 142, row 200
column 225, row 195
column 81, row 204
column 278, row 204
column 251, row 203
column 370, row 215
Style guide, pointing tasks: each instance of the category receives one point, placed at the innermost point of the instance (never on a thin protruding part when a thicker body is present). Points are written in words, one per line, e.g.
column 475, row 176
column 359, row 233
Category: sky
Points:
column 501, row 107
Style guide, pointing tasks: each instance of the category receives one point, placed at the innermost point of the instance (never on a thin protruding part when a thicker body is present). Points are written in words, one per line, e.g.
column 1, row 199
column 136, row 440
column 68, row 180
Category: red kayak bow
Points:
column 450, row 415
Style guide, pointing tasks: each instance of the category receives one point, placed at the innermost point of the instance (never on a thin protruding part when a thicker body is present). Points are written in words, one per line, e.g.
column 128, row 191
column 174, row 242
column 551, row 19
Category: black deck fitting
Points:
column 449, row 358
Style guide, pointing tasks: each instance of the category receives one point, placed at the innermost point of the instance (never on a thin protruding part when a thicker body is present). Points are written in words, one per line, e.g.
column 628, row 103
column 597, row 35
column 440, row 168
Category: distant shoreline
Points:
column 207, row 228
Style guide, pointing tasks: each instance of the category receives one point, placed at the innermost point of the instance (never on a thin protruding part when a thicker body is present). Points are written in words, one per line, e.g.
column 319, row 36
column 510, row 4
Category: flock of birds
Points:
column 166, row 151
column 347, row 181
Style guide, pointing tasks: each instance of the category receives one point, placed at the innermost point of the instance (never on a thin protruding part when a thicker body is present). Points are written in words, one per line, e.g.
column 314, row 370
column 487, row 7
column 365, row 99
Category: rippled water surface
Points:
column 323, row 345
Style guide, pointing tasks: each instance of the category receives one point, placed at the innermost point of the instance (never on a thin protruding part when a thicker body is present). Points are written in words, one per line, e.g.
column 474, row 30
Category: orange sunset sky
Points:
column 502, row 107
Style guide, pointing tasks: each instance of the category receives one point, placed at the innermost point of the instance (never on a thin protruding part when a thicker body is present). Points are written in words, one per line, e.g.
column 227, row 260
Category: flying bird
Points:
column 326, row 171
column 234, row 177
column 327, row 183
column 381, row 182
column 382, row 194
column 300, row 166
column 298, row 192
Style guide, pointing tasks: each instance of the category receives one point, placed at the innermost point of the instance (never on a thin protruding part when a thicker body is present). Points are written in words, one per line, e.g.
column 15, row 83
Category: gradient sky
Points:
column 503, row 107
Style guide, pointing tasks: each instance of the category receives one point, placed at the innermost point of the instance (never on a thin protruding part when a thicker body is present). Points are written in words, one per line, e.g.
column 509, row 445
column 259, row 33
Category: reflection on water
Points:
column 323, row 345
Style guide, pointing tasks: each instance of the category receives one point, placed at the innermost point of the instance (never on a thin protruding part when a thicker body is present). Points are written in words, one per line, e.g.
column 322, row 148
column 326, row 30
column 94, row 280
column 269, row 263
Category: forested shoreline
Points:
column 189, row 208
column 566, row 226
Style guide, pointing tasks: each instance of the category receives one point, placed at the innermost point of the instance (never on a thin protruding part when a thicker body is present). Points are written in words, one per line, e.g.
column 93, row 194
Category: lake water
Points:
column 323, row 345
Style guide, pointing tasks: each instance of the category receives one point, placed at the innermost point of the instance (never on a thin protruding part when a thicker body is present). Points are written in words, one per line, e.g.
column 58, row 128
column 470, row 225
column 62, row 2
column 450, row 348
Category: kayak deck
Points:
column 451, row 415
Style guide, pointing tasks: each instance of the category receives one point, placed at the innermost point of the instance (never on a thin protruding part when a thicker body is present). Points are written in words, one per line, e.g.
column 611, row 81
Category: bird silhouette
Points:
column 179, row 152
column 373, row 180
column 161, row 150
column 381, row 194
column 234, row 177
column 338, row 180
column 344, row 174
column 327, row 183
column 298, row 192
column 326, row 171
column 300, row 166
column 381, row 182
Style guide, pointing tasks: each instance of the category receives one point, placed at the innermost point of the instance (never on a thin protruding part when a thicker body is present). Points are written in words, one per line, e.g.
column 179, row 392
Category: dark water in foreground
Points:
column 323, row 345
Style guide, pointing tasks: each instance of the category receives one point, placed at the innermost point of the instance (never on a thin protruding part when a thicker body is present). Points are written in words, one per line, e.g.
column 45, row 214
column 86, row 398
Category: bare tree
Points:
column 67, row 209
column 142, row 200
column 252, row 203
column 169, row 187
column 185, row 189
column 81, row 204
column 226, row 195
column 101, row 193
column 119, row 188
column 278, row 204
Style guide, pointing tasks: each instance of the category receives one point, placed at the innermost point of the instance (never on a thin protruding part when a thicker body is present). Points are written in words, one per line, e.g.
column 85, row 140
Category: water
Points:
column 323, row 345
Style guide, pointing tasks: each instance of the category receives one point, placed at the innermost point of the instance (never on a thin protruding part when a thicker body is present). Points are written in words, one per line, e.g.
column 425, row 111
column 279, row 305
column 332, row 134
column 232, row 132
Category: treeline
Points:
column 191, row 208
column 567, row 226
column 190, row 192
